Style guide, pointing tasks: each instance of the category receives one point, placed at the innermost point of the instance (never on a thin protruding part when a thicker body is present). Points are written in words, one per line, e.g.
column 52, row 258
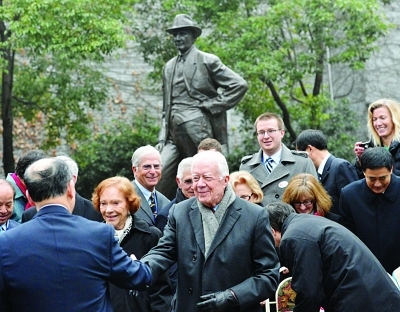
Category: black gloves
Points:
column 219, row 301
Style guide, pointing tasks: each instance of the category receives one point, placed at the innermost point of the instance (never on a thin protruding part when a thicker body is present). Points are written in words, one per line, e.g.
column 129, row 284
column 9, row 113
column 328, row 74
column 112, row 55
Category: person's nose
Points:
column 109, row 208
column 377, row 183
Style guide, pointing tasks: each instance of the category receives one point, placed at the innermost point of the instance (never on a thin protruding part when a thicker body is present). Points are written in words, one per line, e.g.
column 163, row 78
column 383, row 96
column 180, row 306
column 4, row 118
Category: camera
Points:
column 365, row 144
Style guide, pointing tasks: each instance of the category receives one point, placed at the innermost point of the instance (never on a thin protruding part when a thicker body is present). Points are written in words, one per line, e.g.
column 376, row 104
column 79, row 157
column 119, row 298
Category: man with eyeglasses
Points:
column 147, row 169
column 370, row 207
column 274, row 164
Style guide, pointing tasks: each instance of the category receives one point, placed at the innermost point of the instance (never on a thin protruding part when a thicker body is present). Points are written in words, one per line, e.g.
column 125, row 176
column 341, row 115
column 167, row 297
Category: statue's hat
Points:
column 184, row 21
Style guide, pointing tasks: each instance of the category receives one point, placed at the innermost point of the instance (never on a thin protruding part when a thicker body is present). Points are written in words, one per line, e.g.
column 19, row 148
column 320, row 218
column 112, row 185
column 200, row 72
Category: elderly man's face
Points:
column 148, row 173
column 183, row 39
column 6, row 202
column 208, row 185
column 186, row 183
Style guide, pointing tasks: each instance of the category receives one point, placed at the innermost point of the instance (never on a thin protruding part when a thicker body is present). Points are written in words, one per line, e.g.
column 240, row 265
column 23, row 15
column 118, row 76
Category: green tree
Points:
column 108, row 154
column 279, row 47
column 48, row 54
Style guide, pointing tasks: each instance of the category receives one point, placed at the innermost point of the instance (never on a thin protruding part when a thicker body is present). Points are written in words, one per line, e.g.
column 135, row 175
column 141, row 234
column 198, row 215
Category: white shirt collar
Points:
column 146, row 193
column 323, row 163
column 276, row 157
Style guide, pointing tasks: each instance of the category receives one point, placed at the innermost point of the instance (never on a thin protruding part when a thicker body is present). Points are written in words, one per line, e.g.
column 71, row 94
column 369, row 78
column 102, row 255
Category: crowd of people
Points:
column 187, row 235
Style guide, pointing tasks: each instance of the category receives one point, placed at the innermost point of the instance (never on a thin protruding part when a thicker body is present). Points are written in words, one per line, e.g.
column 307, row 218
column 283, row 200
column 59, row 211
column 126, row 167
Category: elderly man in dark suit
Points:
column 334, row 173
column 198, row 90
column 274, row 164
column 147, row 170
column 58, row 261
column 330, row 267
column 83, row 207
column 223, row 245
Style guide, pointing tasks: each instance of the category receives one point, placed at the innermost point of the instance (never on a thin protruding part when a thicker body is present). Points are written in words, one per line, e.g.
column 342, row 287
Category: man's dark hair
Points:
column 375, row 158
column 49, row 182
column 278, row 212
column 28, row 159
column 311, row 137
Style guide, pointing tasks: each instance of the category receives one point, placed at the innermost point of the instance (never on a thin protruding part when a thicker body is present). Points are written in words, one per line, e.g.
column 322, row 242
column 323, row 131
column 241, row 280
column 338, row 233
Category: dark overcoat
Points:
column 241, row 257
column 333, row 269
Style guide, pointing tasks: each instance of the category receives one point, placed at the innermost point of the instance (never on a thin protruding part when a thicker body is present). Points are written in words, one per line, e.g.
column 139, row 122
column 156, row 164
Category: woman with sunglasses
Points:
column 307, row 195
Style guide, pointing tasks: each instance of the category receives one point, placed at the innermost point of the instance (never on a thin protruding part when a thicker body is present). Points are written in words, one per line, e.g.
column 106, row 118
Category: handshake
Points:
column 219, row 301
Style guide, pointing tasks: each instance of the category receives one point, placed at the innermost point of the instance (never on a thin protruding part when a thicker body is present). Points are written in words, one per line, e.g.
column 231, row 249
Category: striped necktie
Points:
column 153, row 205
column 268, row 164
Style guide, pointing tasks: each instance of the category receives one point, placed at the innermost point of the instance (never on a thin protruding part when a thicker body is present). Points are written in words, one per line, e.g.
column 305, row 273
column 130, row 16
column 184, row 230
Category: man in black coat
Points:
column 222, row 244
column 334, row 173
column 330, row 267
column 370, row 207
column 83, row 207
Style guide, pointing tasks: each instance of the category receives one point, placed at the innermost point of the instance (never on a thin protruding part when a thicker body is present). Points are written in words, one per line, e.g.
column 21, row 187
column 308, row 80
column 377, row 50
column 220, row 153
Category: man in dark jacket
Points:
column 222, row 244
column 330, row 267
column 83, row 207
column 370, row 207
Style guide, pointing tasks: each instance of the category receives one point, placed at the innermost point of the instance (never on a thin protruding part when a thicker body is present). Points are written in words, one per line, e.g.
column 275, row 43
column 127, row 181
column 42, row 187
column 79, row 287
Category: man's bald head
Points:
column 47, row 178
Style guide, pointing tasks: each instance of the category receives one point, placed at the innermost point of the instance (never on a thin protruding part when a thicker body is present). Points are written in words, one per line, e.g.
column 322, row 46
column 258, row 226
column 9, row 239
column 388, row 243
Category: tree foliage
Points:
column 48, row 54
column 108, row 154
column 279, row 47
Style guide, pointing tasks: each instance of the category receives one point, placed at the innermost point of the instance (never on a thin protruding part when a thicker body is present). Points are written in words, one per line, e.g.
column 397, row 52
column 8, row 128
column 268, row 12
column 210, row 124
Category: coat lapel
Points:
column 190, row 67
column 197, row 226
column 327, row 167
column 227, row 223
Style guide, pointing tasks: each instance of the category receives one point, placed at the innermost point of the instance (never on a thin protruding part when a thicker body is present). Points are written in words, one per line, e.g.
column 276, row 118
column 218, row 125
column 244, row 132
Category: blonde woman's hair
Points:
column 305, row 184
column 244, row 177
column 394, row 111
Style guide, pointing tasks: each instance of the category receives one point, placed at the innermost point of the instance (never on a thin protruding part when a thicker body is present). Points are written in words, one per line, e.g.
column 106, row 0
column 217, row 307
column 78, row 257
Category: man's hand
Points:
column 219, row 301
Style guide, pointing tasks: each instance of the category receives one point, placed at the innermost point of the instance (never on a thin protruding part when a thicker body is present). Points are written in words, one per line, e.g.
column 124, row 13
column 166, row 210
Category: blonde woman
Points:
column 384, row 129
column 246, row 187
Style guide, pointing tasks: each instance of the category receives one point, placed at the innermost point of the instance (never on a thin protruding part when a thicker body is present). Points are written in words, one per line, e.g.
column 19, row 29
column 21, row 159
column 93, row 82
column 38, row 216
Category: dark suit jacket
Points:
column 62, row 262
column 204, row 73
column 336, row 175
column 83, row 208
column 332, row 268
column 241, row 257
column 374, row 218
column 144, row 211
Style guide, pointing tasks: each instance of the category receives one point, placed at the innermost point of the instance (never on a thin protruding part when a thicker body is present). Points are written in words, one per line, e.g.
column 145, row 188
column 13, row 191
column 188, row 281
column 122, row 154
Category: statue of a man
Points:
column 198, row 90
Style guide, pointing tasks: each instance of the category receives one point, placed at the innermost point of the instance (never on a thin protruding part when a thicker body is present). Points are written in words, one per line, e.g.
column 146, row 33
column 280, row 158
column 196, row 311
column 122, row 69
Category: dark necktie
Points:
column 153, row 206
column 319, row 176
column 268, row 164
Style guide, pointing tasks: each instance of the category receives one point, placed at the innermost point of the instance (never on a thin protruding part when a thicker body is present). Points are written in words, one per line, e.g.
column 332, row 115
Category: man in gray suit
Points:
column 223, row 245
column 147, row 168
column 198, row 90
column 274, row 164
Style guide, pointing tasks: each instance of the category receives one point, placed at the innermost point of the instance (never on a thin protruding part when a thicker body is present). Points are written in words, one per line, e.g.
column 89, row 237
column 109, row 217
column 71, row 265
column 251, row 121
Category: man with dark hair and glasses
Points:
column 147, row 169
column 274, row 164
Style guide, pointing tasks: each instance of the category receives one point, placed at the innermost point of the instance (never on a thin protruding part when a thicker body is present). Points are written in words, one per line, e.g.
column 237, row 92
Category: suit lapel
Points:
column 327, row 167
column 144, row 205
column 227, row 223
column 195, row 220
column 190, row 67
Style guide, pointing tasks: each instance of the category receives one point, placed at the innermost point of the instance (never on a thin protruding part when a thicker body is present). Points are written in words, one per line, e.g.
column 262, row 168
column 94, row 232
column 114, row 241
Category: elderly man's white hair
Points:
column 185, row 164
column 141, row 152
column 213, row 156
column 72, row 165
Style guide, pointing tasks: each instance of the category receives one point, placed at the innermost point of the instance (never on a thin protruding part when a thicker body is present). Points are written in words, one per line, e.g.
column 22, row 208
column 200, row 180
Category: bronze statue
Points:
column 198, row 90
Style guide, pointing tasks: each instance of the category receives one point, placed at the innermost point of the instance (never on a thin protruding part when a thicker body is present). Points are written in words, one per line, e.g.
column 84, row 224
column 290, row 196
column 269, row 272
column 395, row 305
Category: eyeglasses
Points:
column 307, row 203
column 188, row 181
column 148, row 167
column 246, row 197
column 270, row 132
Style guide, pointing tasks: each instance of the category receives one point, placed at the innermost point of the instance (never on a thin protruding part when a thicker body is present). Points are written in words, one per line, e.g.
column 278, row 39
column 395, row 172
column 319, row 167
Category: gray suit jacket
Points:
column 144, row 211
column 204, row 74
column 273, row 185
column 241, row 257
